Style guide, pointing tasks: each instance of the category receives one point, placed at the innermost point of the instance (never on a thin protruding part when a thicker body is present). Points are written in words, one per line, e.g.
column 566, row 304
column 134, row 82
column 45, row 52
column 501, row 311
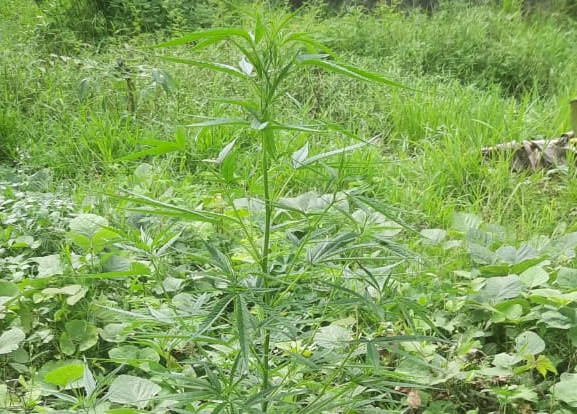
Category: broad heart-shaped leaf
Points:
column 131, row 390
column 529, row 343
column 563, row 246
column 87, row 224
column 433, row 236
column 564, row 390
column 497, row 289
column 79, row 335
column 311, row 202
column 49, row 265
column 64, row 375
column 508, row 311
column 567, row 278
column 10, row 340
column 333, row 337
column 481, row 254
column 556, row 320
column 513, row 256
column 534, row 276
column 300, row 156
column 463, row 222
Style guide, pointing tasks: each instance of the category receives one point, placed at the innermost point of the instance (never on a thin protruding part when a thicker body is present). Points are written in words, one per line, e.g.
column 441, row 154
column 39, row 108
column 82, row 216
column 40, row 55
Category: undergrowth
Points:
column 158, row 252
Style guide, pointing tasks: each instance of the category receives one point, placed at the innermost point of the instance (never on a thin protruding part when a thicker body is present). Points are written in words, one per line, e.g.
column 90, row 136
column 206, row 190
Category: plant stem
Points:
column 264, row 264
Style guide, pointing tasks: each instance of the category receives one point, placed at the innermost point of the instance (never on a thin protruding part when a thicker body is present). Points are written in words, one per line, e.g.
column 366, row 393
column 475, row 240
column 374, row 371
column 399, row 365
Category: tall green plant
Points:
column 269, row 58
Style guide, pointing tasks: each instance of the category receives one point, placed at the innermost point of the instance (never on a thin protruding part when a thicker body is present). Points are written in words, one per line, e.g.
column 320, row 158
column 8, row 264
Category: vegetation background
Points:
column 287, row 211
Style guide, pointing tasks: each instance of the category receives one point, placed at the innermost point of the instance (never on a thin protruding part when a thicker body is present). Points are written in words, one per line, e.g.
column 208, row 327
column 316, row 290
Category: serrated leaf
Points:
column 434, row 235
column 543, row 365
column 311, row 202
column 326, row 249
column 242, row 316
column 337, row 151
column 131, row 390
column 10, row 340
column 373, row 355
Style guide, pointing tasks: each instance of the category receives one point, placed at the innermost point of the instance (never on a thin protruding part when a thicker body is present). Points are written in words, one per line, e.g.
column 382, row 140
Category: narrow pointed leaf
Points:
column 218, row 34
column 215, row 66
column 220, row 121
column 351, row 72
column 338, row 151
column 300, row 156
column 165, row 209
column 225, row 151
column 325, row 249
column 243, row 328
column 217, row 310
column 386, row 211
column 245, row 66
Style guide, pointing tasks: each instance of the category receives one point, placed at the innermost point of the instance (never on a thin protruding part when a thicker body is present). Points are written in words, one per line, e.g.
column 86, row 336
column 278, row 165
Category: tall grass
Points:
column 482, row 77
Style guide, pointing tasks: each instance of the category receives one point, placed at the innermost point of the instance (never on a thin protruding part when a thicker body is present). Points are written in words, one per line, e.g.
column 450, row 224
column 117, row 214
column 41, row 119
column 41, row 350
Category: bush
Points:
column 475, row 45
column 92, row 20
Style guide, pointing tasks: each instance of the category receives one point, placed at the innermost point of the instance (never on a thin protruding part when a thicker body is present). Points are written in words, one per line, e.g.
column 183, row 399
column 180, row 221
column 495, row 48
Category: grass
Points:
column 288, row 307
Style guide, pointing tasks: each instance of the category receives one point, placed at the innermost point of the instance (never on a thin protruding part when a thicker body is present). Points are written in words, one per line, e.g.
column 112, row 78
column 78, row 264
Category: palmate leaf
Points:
column 217, row 310
column 387, row 211
column 329, row 248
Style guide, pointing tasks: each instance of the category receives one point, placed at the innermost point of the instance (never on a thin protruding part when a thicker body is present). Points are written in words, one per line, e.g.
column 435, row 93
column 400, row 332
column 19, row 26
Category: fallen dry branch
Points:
column 535, row 154
column 542, row 153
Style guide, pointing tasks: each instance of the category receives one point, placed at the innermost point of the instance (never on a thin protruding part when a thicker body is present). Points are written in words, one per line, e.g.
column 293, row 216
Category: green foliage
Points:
column 476, row 48
column 266, row 258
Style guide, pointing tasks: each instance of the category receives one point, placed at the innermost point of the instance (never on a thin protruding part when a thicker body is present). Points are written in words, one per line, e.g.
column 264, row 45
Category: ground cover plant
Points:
column 285, row 213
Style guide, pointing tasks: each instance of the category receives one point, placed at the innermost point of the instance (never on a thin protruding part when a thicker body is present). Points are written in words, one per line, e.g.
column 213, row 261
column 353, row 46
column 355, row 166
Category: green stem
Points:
column 264, row 265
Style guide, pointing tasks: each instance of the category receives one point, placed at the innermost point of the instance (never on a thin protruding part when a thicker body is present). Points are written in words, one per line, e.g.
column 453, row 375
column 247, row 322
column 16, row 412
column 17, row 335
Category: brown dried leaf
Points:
column 413, row 399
